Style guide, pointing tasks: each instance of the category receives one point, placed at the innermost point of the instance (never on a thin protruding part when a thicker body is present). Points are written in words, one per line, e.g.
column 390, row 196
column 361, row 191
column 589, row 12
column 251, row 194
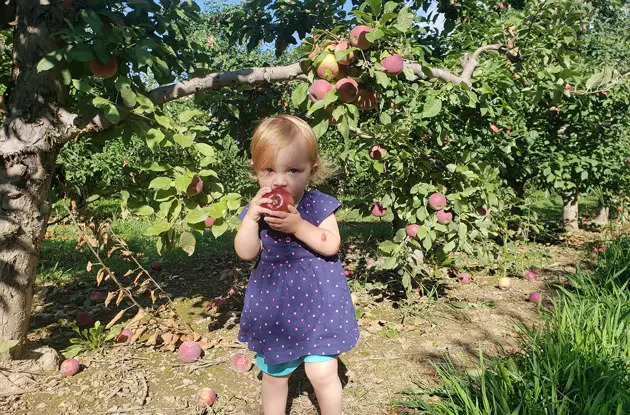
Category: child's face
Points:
column 291, row 170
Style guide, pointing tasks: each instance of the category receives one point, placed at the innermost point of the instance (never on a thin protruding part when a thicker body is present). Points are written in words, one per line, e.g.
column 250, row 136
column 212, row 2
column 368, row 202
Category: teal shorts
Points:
column 282, row 369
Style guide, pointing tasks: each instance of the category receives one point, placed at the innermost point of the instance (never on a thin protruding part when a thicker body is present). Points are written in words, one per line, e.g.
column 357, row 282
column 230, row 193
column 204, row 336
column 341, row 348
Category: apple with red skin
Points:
column 348, row 89
column 494, row 129
column 482, row 211
column 241, row 363
column 535, row 297
column 124, row 336
column 568, row 87
column 328, row 68
column 208, row 222
column 206, row 397
column 156, row 266
column 104, row 70
column 437, row 201
column 531, row 275
column 377, row 152
column 349, row 58
column 444, row 217
column 464, row 277
column 97, row 297
column 195, row 186
column 378, row 210
column 280, row 200
column 393, row 64
column 357, row 37
column 70, row 367
column 412, row 230
column 348, row 273
column 319, row 89
column 502, row 6
column 189, row 351
column 84, row 319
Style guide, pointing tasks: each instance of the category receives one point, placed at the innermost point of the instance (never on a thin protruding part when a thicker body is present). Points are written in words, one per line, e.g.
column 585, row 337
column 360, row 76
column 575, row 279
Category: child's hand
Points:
column 255, row 211
column 285, row 222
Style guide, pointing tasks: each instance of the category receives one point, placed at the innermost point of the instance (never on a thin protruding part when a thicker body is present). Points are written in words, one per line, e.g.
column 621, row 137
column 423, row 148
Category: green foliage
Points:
column 92, row 339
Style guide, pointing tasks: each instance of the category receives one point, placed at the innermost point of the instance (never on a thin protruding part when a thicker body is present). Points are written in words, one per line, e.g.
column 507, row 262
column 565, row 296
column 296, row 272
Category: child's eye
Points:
column 293, row 170
column 268, row 170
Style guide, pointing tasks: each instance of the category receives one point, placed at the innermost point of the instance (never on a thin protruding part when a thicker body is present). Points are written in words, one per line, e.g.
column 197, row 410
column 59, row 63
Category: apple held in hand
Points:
column 280, row 200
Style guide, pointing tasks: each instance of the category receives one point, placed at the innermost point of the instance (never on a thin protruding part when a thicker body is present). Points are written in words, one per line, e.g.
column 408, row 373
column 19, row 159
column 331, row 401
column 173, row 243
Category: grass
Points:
column 576, row 363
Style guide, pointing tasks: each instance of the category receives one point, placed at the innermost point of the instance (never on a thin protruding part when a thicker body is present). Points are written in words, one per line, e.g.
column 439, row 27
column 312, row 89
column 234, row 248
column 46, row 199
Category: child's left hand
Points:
column 285, row 222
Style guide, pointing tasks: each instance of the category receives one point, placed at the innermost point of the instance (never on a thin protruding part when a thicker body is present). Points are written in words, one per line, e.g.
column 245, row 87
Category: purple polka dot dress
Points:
column 297, row 302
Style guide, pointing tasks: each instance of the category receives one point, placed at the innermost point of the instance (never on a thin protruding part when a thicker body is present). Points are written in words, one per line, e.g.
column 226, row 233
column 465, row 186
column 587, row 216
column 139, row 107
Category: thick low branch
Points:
column 252, row 76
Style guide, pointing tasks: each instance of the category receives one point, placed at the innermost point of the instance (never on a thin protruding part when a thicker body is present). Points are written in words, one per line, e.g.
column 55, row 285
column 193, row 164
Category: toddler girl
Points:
column 297, row 303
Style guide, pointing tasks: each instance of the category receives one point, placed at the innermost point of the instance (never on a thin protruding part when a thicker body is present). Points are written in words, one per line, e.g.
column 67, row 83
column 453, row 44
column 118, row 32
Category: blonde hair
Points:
column 273, row 133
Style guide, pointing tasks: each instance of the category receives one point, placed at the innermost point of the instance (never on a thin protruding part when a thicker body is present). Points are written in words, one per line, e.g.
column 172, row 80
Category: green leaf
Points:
column 404, row 20
column 81, row 52
column 374, row 35
column 161, row 183
column 157, row 228
column 594, row 80
column 449, row 247
column 299, row 94
column 154, row 136
column 219, row 227
column 187, row 242
column 146, row 105
column 49, row 61
column 385, row 118
column 163, row 120
column 124, row 87
column 432, row 107
column 205, row 149
column 184, row 141
column 144, row 211
column 375, row 6
column 196, row 215
column 188, row 115
column 382, row 78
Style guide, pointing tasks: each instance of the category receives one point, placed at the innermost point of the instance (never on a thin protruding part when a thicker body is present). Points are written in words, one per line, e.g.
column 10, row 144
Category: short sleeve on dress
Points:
column 323, row 206
column 243, row 212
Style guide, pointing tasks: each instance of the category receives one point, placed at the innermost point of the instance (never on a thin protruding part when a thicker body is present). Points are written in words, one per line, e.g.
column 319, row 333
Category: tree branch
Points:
column 79, row 126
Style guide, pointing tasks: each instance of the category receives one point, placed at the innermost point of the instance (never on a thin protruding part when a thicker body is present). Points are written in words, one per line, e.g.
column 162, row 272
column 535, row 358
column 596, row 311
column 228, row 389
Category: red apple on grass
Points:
column 156, row 266
column 241, row 363
column 70, row 367
column 84, row 319
column 531, row 275
column 464, row 277
column 97, row 296
column 280, row 200
column 189, row 351
column 535, row 297
column 124, row 336
column 206, row 397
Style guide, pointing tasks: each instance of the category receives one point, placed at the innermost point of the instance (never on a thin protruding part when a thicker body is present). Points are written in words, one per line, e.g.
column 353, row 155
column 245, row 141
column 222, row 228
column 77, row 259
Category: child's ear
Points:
column 314, row 168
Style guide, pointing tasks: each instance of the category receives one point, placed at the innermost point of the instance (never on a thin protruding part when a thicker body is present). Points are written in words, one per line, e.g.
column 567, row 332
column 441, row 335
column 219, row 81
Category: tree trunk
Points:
column 24, row 211
column 603, row 215
column 570, row 212
column 29, row 137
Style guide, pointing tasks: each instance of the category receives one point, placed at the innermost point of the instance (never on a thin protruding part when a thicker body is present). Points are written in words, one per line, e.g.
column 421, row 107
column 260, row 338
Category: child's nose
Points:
column 280, row 180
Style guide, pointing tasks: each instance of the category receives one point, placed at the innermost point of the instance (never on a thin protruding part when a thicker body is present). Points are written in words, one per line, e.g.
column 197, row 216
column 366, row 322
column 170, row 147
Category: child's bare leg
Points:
column 274, row 394
column 325, row 381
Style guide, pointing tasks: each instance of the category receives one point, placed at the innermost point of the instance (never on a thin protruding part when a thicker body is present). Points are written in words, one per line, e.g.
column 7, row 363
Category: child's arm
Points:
column 247, row 243
column 324, row 238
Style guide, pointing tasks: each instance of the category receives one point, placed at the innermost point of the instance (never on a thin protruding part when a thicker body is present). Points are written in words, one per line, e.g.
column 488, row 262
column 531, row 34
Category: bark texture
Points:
column 570, row 211
column 602, row 216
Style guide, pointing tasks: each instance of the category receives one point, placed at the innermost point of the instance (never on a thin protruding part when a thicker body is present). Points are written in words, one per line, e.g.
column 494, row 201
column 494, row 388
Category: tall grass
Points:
column 576, row 363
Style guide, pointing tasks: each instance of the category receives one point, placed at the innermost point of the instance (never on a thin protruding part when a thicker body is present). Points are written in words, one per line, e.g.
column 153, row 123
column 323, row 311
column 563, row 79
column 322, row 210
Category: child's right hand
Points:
column 256, row 211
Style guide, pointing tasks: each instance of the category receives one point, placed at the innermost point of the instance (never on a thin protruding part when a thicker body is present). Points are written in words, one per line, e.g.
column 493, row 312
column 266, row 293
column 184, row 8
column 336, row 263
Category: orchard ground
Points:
column 399, row 337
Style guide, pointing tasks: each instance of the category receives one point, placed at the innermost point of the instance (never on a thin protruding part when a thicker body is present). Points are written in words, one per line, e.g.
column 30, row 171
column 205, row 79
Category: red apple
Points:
column 378, row 210
column 412, row 230
column 97, row 297
column 280, row 200
column 84, row 319
column 156, row 266
column 464, row 277
column 531, row 275
column 206, row 397
column 357, row 37
column 195, row 186
column 568, row 87
column 209, row 222
column 494, row 129
column 124, row 336
column 535, row 297
column 437, row 201
column 393, row 64
column 377, row 152
column 70, row 367
column 444, row 217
